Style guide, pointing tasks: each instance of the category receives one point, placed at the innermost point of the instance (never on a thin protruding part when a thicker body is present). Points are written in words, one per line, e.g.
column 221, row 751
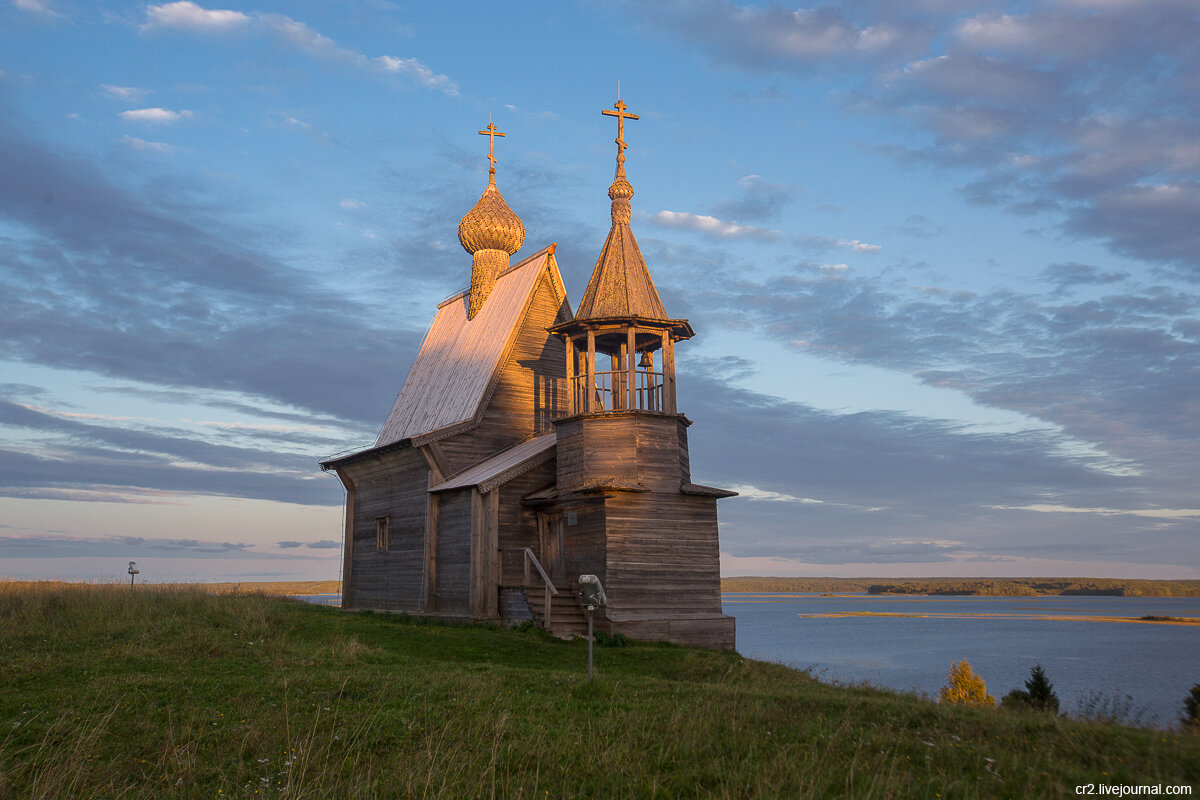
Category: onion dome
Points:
column 491, row 224
column 490, row 232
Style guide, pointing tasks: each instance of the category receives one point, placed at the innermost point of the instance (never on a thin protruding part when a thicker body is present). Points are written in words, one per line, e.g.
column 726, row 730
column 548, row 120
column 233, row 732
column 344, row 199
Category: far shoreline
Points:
column 934, row 587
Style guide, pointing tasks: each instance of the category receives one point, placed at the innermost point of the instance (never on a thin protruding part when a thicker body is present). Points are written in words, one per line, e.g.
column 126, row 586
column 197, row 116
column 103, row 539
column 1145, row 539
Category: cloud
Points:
column 130, row 288
column 774, row 36
column 126, row 94
column 155, row 116
column 1082, row 110
column 39, row 7
column 143, row 145
column 289, row 545
column 185, row 15
column 710, row 226
column 1069, row 275
column 755, row 493
column 1153, row 513
column 324, row 544
column 859, row 247
column 189, row 17
column 758, row 200
column 352, row 205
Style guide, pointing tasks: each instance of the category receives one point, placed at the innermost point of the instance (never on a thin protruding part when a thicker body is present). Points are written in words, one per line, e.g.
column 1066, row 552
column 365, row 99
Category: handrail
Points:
column 550, row 590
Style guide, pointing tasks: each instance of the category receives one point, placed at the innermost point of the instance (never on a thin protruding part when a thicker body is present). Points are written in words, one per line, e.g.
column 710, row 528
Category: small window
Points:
column 381, row 534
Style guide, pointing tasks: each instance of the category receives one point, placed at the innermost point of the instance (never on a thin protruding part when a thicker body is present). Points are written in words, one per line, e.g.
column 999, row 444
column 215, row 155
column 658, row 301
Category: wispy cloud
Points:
column 189, row 17
column 42, row 8
column 1153, row 513
column 1080, row 109
column 126, row 94
column 142, row 144
column 157, row 116
column 754, row 493
column 710, row 226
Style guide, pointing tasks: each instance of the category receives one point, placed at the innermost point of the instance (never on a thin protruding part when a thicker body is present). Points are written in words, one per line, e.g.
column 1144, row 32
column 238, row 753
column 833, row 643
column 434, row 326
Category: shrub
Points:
column 966, row 687
column 1191, row 710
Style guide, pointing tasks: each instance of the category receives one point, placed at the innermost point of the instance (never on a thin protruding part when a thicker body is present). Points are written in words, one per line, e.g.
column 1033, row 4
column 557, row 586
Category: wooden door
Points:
column 551, row 529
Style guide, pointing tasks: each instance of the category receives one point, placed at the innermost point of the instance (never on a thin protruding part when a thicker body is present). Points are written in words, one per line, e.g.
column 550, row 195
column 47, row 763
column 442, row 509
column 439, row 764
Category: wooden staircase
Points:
column 567, row 617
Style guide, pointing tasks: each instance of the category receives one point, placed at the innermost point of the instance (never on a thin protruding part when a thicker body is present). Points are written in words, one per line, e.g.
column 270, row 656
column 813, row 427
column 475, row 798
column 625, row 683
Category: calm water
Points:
column 1154, row 665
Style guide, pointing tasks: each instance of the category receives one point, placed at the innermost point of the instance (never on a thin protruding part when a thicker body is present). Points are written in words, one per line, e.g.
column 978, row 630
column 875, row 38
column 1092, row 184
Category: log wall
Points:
column 392, row 485
column 518, row 525
column 452, row 582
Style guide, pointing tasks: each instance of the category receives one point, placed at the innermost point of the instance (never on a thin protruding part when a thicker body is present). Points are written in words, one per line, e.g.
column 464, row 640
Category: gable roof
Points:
column 460, row 359
column 504, row 466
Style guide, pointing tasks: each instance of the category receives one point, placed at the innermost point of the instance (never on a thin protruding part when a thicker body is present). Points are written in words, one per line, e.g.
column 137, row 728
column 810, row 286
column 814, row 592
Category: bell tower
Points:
column 620, row 351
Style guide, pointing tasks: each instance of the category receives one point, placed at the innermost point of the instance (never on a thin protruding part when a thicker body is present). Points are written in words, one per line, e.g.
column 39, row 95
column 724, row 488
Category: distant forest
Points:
column 992, row 587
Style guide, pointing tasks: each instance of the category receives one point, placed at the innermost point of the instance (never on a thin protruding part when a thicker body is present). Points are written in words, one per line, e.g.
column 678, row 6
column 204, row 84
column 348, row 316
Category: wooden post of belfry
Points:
column 631, row 347
column 571, row 388
column 590, row 388
column 669, row 374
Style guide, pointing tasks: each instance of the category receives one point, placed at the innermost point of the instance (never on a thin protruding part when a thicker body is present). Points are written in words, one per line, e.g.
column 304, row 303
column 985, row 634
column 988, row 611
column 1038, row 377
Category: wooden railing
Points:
column 611, row 391
column 530, row 558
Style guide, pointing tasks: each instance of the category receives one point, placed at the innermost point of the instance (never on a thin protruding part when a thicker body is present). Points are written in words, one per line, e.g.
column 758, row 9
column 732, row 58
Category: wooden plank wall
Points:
column 662, row 553
column 531, row 389
column 452, row 582
column 391, row 485
column 518, row 523
column 658, row 451
column 624, row 449
column 585, row 545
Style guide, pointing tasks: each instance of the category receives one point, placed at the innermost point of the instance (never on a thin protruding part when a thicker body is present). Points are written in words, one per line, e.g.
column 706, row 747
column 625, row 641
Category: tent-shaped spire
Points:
column 621, row 286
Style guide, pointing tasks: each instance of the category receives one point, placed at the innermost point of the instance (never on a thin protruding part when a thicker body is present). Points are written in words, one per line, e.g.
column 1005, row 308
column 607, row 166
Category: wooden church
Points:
column 530, row 445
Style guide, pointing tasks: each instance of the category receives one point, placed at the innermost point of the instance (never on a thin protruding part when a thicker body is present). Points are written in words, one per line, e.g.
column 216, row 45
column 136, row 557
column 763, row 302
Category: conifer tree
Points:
column 1191, row 710
column 965, row 687
column 1041, row 691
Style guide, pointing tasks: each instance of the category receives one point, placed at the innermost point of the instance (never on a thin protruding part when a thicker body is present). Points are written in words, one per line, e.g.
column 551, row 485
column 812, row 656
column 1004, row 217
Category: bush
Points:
column 1038, row 694
column 1191, row 710
column 966, row 687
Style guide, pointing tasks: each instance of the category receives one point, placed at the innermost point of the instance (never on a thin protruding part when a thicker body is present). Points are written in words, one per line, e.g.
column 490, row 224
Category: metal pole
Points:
column 589, row 610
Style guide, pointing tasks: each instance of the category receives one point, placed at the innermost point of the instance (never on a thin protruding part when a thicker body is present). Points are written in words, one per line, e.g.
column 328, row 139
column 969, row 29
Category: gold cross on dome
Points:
column 491, row 133
column 621, row 114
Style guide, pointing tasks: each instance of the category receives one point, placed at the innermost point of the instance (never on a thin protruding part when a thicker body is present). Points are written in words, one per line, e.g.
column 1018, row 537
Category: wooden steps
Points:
column 567, row 617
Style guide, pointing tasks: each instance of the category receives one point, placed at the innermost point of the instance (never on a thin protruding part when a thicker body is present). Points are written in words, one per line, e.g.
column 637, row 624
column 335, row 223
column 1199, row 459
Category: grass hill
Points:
column 174, row 692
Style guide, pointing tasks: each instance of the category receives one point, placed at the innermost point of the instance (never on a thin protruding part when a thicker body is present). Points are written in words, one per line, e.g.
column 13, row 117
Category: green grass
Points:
column 166, row 693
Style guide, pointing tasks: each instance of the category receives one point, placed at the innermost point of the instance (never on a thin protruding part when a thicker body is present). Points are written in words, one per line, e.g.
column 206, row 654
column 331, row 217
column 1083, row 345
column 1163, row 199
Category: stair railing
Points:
column 530, row 558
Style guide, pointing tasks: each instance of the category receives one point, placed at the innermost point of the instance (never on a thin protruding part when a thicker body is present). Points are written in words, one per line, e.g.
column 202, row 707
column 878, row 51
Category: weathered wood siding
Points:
column 518, row 523
column 622, row 449
column 662, row 553
column 585, row 540
column 452, row 584
column 530, row 391
column 391, row 485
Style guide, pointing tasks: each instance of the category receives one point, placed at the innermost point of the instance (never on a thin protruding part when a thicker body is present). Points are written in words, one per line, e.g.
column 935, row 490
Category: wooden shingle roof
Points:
column 460, row 359
column 621, row 285
column 504, row 466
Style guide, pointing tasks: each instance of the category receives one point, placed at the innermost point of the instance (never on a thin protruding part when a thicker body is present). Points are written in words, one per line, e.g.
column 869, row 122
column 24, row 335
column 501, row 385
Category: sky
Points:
column 942, row 258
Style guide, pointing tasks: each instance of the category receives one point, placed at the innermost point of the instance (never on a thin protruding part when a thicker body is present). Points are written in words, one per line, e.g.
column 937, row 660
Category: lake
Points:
column 1145, row 668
